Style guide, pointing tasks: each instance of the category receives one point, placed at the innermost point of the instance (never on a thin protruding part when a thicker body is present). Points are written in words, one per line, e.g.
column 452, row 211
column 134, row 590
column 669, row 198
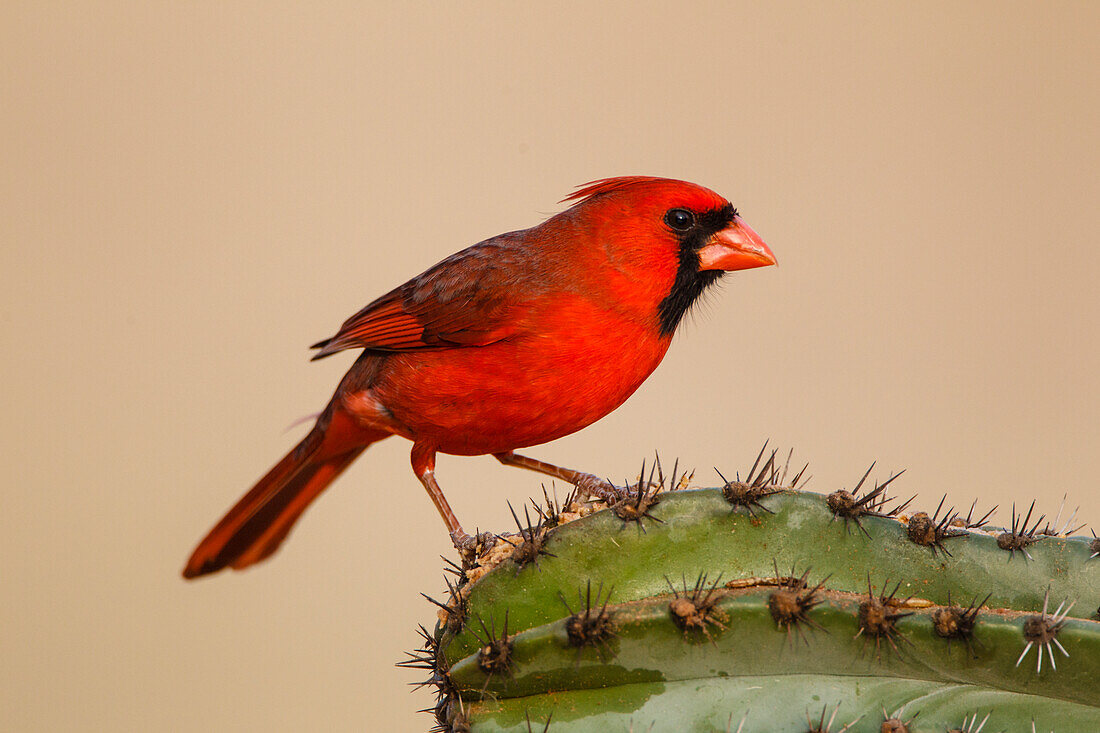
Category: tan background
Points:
column 191, row 193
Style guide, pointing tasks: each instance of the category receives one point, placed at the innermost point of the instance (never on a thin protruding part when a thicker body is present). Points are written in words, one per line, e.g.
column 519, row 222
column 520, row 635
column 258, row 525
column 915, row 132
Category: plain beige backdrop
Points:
column 193, row 192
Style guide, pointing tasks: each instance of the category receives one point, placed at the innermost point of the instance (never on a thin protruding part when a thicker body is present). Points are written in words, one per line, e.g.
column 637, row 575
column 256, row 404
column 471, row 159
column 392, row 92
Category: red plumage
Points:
column 513, row 342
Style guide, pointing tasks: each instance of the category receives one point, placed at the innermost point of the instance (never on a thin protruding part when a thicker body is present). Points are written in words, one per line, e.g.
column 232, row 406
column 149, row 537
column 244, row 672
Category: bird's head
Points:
column 682, row 236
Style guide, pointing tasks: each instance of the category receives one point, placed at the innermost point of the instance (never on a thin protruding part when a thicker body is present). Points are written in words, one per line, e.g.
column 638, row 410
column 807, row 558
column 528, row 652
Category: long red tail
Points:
column 258, row 523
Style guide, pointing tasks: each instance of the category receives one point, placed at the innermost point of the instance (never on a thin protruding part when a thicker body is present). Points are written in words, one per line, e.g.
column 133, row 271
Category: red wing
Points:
column 472, row 298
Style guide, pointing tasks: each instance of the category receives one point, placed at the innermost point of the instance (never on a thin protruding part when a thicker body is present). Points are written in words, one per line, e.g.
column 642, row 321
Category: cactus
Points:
column 759, row 606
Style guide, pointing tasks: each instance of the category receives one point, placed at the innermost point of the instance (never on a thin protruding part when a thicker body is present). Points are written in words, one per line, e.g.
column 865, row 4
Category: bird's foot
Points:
column 471, row 547
column 591, row 486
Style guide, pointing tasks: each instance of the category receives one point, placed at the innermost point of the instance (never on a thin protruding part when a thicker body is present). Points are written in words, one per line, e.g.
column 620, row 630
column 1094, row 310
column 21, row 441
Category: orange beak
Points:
column 737, row 247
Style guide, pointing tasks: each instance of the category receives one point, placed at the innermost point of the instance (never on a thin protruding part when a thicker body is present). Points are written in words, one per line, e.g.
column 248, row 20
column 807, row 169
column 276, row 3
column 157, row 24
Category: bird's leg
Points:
column 423, row 463
column 586, row 483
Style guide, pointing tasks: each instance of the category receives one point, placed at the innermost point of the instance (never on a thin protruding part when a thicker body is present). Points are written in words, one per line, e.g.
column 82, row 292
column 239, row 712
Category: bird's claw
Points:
column 471, row 547
column 592, row 486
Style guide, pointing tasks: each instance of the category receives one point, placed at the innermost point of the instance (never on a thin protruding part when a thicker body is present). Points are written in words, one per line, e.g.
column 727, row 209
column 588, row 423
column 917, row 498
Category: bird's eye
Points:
column 680, row 219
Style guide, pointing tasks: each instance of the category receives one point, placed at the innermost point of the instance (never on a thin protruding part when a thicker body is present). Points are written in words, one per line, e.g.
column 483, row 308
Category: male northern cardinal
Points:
column 513, row 342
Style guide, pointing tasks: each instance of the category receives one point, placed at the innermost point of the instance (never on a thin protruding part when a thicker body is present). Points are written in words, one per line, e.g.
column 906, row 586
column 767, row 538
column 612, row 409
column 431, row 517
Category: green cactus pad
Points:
column 673, row 623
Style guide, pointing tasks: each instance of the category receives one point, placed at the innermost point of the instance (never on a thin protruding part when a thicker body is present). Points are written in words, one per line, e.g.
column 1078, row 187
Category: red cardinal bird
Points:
column 513, row 342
